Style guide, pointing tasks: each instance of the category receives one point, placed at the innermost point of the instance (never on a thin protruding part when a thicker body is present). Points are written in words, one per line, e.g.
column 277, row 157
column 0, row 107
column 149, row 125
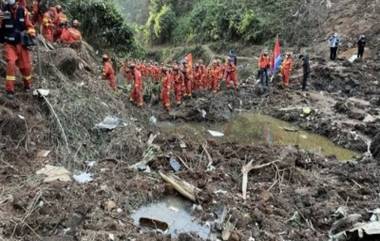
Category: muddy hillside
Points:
column 80, row 162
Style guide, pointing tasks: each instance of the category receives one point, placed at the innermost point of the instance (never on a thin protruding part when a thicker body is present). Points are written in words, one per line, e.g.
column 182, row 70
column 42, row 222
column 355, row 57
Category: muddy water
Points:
column 173, row 211
column 249, row 128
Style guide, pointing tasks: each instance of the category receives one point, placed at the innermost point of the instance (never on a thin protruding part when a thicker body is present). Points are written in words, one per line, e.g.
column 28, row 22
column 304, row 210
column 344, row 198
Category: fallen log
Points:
column 184, row 188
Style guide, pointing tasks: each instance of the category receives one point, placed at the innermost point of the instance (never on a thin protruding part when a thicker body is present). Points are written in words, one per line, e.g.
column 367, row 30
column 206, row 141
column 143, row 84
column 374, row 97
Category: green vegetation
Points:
column 200, row 21
column 102, row 25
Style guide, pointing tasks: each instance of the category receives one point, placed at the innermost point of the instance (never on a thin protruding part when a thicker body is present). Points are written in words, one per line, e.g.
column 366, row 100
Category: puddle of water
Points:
column 249, row 128
column 173, row 211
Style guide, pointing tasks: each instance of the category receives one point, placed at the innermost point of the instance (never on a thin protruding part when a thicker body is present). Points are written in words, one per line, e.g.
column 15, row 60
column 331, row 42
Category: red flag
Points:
column 276, row 55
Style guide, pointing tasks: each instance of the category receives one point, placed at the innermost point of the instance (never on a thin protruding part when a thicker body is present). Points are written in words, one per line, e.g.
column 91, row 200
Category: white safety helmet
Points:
column 11, row 2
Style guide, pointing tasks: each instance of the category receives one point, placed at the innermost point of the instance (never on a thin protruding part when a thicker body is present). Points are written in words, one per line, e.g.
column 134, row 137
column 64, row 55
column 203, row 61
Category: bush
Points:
column 248, row 21
column 160, row 24
column 101, row 24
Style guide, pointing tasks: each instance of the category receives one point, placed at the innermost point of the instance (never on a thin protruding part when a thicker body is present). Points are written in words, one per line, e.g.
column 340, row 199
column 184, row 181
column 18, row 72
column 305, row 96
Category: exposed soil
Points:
column 293, row 199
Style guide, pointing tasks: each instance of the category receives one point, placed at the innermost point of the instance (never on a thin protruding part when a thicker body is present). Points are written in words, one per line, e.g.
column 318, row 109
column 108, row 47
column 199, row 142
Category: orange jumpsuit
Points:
column 197, row 83
column 165, row 90
column 59, row 19
column 48, row 27
column 221, row 72
column 188, row 78
column 156, row 73
column 214, row 75
column 264, row 62
column 127, row 73
column 286, row 70
column 231, row 76
column 16, row 20
column 137, row 92
column 203, row 79
column 179, row 86
column 109, row 74
column 70, row 36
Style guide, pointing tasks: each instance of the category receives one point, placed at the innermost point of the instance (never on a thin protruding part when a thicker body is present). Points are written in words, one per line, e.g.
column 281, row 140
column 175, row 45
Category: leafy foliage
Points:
column 160, row 24
column 250, row 21
column 134, row 11
column 102, row 25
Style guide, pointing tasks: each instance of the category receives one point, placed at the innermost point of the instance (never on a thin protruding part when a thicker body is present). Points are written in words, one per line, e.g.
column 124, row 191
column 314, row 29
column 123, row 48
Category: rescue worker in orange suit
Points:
column 221, row 72
column 231, row 74
column 286, row 69
column 137, row 93
column 59, row 21
column 48, row 26
column 214, row 74
column 127, row 73
column 17, row 32
column 156, row 72
column 166, row 88
column 264, row 65
column 188, row 78
column 108, row 72
column 203, row 78
column 70, row 35
column 197, row 83
column 179, row 84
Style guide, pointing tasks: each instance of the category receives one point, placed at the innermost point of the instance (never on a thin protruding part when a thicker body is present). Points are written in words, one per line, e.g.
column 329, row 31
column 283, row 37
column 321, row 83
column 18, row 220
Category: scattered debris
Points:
column 227, row 230
column 153, row 120
column 54, row 173
column 83, row 177
column 353, row 58
column 90, row 163
column 41, row 92
column 182, row 144
column 153, row 224
column 175, row 164
column 186, row 189
column 43, row 153
column 149, row 155
column 216, row 133
column 109, row 123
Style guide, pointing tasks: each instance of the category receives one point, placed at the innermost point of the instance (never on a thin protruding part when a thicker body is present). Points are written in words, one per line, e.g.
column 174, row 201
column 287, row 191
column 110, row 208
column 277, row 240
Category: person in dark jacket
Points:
column 361, row 46
column 306, row 70
column 334, row 42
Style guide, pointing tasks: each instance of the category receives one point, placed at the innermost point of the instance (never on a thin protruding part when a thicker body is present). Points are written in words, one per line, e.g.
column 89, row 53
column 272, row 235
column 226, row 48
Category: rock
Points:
column 375, row 147
column 66, row 60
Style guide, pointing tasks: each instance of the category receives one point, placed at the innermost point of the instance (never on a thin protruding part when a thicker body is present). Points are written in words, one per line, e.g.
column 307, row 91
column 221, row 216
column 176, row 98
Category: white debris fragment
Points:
column 41, row 92
column 83, row 177
column 109, row 123
column 216, row 133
